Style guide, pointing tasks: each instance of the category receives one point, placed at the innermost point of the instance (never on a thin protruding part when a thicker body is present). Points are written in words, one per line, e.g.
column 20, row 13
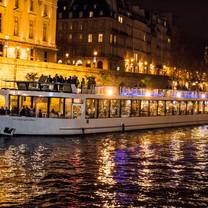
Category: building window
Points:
column 44, row 32
column 70, row 26
column 120, row 19
column 80, row 36
column 111, row 38
column 31, row 5
column 16, row 4
column 100, row 38
column 114, row 39
column 1, row 49
column 31, row 29
column 70, row 15
column 80, row 14
column 0, row 23
column 81, row 27
column 70, row 37
column 89, row 38
column 101, row 13
column 16, row 26
column 31, row 54
column 45, row 11
column 45, row 56
column 91, row 14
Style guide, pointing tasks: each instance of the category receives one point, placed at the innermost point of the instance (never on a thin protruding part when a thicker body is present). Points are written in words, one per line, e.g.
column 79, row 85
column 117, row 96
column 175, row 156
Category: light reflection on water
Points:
column 158, row 168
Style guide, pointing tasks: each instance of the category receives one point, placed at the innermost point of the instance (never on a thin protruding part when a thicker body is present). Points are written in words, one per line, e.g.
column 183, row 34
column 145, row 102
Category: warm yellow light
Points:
column 203, row 96
column 148, row 94
column 145, row 62
column 6, row 37
column 95, row 53
column 109, row 92
column 67, row 55
column 132, row 60
column 178, row 95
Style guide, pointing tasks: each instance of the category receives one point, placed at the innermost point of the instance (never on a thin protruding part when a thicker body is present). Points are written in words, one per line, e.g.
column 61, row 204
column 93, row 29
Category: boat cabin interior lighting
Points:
column 148, row 94
column 109, row 92
column 178, row 95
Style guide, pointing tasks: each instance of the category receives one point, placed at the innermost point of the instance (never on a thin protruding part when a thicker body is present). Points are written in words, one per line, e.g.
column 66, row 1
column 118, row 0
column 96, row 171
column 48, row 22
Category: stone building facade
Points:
column 28, row 29
column 112, row 34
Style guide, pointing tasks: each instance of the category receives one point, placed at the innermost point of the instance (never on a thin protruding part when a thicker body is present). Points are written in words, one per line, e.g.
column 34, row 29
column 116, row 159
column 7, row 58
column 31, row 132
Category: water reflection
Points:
column 138, row 169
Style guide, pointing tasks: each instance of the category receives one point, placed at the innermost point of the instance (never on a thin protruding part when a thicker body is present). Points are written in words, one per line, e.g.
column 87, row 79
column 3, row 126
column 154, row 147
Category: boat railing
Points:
column 144, row 92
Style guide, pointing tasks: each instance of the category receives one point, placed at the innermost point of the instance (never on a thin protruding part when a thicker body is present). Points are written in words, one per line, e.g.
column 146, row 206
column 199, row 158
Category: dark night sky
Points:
column 192, row 14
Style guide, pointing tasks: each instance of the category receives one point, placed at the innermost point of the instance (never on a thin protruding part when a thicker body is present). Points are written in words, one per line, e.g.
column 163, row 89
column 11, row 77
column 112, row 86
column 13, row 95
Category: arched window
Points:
column 100, row 65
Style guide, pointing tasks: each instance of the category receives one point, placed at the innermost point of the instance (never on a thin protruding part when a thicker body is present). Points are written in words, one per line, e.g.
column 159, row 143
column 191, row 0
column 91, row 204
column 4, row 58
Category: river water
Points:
column 153, row 168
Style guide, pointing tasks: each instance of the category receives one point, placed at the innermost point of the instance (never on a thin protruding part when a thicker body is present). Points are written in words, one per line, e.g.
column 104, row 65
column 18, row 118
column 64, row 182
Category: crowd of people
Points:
column 69, row 84
column 24, row 111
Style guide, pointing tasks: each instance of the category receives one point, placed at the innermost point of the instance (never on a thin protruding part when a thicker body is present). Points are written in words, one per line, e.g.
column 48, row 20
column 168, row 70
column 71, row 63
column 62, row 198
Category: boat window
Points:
column 161, row 108
column 125, row 108
column 56, row 107
column 169, row 108
column 176, row 107
column 115, row 108
column 190, row 108
column 68, row 108
column 13, row 104
column 2, row 101
column 77, row 111
column 201, row 107
column 144, row 108
column 103, row 109
column 135, row 108
column 25, row 101
column 206, row 106
column 196, row 106
column 40, row 105
column 91, row 105
column 153, row 108
column 183, row 108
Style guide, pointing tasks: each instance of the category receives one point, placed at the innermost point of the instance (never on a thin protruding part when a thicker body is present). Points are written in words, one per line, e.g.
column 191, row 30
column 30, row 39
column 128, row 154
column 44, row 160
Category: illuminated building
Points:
column 124, row 36
column 27, row 29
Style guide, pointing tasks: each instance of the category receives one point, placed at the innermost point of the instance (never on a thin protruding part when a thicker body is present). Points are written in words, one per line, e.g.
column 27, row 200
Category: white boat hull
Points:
column 51, row 126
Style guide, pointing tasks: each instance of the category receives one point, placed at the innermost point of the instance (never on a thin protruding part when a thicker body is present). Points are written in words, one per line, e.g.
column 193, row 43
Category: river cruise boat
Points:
column 42, row 111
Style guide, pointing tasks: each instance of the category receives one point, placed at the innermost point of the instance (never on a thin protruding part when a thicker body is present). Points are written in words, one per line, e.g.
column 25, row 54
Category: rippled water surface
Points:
column 157, row 168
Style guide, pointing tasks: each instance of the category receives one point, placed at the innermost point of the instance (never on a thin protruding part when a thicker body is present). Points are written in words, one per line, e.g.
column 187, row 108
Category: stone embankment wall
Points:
column 12, row 69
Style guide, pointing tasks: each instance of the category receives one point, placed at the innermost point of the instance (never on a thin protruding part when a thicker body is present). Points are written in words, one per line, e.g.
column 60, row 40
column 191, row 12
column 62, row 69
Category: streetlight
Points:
column 95, row 53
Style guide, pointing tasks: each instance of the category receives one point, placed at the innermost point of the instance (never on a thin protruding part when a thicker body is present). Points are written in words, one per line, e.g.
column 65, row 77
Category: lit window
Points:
column 114, row 39
column 70, row 27
column 81, row 27
column 91, row 14
column 70, row 36
column 100, row 38
column 89, row 38
column 169, row 40
column 144, row 37
column 111, row 38
column 101, row 13
column 80, row 36
column 120, row 19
